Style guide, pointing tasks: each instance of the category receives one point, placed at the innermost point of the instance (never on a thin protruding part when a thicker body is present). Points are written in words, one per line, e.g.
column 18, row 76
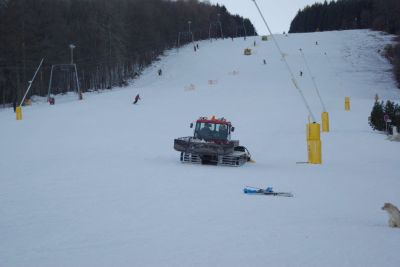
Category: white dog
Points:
column 394, row 214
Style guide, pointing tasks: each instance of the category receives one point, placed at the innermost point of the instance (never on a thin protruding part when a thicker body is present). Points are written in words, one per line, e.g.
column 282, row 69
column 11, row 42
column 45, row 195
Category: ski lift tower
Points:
column 215, row 24
column 244, row 28
column 187, row 34
column 241, row 27
column 65, row 75
column 71, row 46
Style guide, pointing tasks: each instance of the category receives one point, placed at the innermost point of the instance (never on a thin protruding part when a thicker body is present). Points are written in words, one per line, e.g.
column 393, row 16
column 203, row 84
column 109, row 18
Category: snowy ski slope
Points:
column 97, row 182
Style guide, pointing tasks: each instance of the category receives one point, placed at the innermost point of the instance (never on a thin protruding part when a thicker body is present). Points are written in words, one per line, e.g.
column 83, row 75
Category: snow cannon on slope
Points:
column 211, row 144
column 247, row 52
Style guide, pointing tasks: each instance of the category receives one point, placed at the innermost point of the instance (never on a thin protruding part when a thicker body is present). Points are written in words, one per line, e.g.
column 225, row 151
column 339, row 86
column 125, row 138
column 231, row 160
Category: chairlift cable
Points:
column 294, row 81
column 313, row 80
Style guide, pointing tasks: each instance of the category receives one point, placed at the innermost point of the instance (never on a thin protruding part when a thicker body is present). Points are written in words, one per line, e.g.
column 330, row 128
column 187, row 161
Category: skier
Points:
column 194, row 48
column 197, row 46
column 265, row 62
column 159, row 72
column 316, row 42
column 137, row 98
column 301, row 73
column 254, row 43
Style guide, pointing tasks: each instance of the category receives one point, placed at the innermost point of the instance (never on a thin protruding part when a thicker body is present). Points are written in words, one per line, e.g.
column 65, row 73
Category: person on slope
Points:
column 137, row 98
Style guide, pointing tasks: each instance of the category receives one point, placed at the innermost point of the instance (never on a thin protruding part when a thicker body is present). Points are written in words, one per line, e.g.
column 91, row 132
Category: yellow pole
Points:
column 347, row 103
column 325, row 121
column 314, row 143
column 18, row 112
column 313, row 131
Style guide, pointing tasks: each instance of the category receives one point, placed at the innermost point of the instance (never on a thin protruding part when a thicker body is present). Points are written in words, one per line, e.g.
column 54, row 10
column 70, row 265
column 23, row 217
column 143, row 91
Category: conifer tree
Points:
column 376, row 120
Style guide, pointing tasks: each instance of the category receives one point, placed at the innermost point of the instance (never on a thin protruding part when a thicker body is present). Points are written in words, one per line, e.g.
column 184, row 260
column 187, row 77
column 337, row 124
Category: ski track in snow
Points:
column 97, row 182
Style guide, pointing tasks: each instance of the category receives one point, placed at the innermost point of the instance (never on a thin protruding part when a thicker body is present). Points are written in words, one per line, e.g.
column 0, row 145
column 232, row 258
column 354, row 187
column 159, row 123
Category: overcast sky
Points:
column 278, row 13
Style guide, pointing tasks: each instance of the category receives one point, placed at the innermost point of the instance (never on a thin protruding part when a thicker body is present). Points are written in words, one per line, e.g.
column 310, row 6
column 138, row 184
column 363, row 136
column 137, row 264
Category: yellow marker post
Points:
column 313, row 131
column 314, row 143
column 325, row 121
column 347, row 103
column 314, row 152
column 18, row 112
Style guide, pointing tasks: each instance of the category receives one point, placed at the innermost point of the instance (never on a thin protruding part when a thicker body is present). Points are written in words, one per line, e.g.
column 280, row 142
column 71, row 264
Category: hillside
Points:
column 354, row 14
column 109, row 41
column 97, row 182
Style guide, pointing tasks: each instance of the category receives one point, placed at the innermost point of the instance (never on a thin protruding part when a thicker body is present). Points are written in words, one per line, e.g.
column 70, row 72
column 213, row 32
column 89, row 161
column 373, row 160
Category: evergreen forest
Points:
column 113, row 40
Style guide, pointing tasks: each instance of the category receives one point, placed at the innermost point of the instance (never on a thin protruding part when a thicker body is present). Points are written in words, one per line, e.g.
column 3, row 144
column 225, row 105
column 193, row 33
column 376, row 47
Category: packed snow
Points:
column 97, row 182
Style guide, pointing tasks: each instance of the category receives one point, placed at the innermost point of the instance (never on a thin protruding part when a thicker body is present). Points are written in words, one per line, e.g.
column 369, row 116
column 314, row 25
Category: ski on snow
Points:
column 268, row 191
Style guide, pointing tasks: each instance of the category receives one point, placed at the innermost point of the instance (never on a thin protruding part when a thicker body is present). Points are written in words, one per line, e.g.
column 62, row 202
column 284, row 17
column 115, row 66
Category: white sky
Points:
column 278, row 13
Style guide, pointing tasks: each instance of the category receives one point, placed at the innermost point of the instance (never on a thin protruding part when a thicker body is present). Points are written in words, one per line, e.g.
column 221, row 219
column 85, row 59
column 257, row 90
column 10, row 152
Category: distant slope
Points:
column 353, row 14
column 114, row 40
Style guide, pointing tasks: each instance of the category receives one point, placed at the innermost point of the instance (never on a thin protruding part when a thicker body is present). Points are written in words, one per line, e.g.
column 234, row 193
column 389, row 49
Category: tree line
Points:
column 380, row 111
column 114, row 40
column 381, row 15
